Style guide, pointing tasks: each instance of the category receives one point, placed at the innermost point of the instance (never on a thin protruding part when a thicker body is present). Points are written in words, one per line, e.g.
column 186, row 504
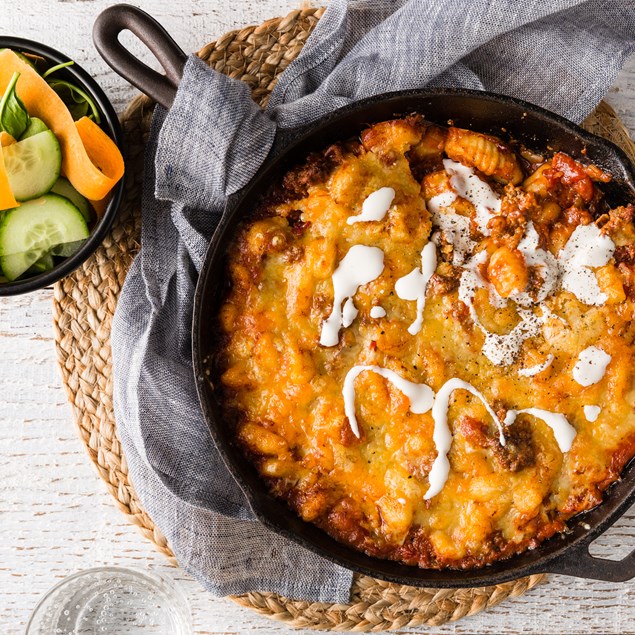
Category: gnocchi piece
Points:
column 398, row 480
column 609, row 280
column 236, row 377
column 313, row 504
column 507, row 271
column 490, row 487
column 396, row 515
column 435, row 183
column 320, row 258
column 431, row 145
column 227, row 317
column 445, row 546
column 527, row 499
column 485, row 153
column 277, row 468
column 262, row 440
column 349, row 183
column 537, row 182
column 398, row 135
column 268, row 235
column 548, row 212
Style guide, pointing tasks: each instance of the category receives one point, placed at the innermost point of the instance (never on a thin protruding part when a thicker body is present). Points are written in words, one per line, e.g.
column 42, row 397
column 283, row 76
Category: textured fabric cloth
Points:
column 562, row 55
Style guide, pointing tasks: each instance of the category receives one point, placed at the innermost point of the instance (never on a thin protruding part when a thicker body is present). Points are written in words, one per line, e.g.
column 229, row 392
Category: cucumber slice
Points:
column 64, row 188
column 44, row 264
column 30, row 231
column 35, row 127
column 66, row 250
column 33, row 165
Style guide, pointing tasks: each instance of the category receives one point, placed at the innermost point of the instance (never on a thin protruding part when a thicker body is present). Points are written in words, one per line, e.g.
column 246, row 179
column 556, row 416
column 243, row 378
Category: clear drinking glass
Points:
column 112, row 601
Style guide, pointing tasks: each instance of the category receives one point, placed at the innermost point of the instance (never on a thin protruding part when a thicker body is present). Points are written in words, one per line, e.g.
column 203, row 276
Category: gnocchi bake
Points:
column 427, row 342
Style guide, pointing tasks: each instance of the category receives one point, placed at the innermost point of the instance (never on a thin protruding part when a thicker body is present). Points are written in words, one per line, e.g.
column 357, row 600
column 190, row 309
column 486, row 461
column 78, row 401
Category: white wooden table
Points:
column 55, row 514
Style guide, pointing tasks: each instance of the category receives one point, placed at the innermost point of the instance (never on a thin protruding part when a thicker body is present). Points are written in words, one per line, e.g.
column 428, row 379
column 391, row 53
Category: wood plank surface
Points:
column 55, row 514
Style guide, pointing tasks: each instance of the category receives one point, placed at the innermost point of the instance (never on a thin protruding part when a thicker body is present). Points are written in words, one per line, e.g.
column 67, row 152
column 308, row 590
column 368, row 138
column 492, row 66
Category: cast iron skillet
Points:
column 567, row 553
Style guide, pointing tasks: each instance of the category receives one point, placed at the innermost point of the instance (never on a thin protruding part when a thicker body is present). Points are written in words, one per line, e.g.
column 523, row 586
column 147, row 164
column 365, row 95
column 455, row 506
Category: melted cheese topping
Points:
column 469, row 439
column 422, row 399
column 420, row 395
column 442, row 435
column 538, row 368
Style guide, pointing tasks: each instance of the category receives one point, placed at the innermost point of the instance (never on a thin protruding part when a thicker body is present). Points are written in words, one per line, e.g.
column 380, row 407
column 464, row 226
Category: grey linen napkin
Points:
column 562, row 55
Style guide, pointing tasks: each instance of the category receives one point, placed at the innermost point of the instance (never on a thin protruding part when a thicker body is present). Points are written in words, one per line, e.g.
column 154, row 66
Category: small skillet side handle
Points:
column 120, row 17
column 578, row 562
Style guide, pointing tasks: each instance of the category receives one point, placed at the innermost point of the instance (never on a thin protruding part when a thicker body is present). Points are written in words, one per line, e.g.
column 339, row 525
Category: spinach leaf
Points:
column 78, row 102
column 14, row 117
column 53, row 69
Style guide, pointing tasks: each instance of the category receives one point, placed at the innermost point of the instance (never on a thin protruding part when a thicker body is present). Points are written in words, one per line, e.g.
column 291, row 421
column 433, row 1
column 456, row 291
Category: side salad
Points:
column 57, row 166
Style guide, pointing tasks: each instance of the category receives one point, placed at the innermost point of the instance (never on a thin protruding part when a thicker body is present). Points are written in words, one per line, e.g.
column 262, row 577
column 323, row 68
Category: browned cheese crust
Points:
column 283, row 389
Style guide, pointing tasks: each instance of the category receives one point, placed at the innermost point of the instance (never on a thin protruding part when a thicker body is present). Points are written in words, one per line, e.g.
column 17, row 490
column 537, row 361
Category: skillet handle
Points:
column 578, row 562
column 120, row 17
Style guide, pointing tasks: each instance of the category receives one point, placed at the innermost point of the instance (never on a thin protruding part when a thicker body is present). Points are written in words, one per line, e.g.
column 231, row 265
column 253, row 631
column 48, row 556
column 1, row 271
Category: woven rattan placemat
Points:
column 84, row 304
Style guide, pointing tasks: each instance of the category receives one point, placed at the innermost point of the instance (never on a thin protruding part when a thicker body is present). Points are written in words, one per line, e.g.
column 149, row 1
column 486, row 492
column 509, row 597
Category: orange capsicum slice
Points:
column 6, row 139
column 7, row 200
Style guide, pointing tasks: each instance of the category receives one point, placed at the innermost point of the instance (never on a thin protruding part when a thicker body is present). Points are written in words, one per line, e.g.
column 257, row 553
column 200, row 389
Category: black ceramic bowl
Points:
column 110, row 124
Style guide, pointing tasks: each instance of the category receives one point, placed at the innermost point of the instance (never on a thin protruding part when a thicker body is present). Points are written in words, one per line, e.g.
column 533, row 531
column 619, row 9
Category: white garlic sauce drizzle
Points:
column 442, row 436
column 361, row 265
column 413, row 285
column 375, row 206
column 470, row 187
column 455, row 228
column 592, row 413
column 422, row 399
column 538, row 368
column 445, row 199
column 421, row 396
column 563, row 431
column 501, row 350
column 587, row 247
column 544, row 261
column 591, row 366
column 349, row 312
column 377, row 312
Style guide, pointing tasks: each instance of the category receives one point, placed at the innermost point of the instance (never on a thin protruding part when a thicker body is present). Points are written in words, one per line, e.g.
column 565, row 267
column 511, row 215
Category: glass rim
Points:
column 148, row 576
